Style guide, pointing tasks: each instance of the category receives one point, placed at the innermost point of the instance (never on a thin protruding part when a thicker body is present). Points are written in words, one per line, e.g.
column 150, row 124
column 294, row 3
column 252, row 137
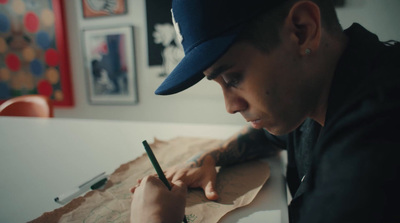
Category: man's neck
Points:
column 334, row 50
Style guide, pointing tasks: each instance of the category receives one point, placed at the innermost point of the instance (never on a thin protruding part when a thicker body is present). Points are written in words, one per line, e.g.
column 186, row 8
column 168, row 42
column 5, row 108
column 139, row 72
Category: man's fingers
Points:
column 132, row 190
column 210, row 191
column 145, row 180
column 179, row 186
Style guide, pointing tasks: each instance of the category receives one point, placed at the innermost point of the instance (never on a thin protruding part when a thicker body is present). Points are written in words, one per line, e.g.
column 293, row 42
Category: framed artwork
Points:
column 110, row 65
column 34, row 50
column 164, row 48
column 97, row 8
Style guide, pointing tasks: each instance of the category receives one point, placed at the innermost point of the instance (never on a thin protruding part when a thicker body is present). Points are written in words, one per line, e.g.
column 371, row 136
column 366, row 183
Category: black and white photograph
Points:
column 164, row 46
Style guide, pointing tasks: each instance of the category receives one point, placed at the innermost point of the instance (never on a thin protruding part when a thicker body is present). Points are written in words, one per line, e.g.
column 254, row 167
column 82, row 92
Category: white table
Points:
column 41, row 158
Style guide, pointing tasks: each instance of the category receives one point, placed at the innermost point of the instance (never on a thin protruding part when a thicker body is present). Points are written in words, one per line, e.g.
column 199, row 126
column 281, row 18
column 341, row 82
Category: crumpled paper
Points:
column 237, row 186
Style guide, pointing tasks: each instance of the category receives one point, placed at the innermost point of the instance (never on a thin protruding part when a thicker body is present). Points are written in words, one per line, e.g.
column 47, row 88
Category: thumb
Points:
column 210, row 191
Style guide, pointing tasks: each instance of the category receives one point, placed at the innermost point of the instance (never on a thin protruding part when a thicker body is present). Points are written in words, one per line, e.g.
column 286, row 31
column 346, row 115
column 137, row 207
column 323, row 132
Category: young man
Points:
column 329, row 97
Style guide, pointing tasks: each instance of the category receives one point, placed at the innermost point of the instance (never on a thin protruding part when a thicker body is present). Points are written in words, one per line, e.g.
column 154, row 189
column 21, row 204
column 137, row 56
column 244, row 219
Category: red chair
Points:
column 29, row 106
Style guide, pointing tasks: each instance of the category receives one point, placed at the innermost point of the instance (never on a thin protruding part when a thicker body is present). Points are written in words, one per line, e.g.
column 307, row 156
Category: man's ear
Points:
column 304, row 22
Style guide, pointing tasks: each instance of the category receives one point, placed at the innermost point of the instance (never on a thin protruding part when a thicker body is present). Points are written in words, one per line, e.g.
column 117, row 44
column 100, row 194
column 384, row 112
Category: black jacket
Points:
column 349, row 170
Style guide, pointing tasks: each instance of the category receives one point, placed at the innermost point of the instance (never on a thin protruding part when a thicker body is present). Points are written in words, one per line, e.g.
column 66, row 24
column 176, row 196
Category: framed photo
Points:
column 110, row 65
column 97, row 8
column 34, row 51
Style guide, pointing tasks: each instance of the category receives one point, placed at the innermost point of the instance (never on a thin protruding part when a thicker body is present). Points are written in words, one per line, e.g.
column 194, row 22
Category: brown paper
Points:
column 237, row 186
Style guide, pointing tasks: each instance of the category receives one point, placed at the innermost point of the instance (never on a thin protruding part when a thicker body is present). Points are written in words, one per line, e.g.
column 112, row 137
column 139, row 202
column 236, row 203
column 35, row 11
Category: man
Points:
column 330, row 97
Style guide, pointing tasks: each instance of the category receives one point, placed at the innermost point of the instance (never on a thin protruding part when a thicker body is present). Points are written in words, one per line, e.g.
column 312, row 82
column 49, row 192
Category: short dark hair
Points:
column 263, row 30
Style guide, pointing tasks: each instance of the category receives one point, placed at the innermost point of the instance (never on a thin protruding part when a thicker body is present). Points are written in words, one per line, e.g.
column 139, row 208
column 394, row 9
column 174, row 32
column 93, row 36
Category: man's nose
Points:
column 233, row 102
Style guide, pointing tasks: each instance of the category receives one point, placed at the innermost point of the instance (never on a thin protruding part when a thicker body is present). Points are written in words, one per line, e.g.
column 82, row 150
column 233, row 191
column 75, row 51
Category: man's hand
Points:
column 197, row 174
column 153, row 202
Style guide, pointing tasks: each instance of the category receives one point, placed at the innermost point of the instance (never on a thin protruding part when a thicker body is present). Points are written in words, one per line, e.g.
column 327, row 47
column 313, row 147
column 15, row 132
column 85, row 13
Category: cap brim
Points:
column 190, row 69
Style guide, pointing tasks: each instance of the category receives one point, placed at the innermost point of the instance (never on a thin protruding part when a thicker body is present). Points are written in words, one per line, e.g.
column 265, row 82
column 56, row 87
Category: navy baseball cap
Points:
column 207, row 28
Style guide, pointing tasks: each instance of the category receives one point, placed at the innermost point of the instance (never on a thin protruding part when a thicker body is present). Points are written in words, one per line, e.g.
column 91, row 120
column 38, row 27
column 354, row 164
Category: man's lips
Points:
column 255, row 121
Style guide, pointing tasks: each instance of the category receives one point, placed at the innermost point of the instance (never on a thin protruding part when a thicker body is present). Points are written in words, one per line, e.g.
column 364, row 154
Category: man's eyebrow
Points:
column 217, row 71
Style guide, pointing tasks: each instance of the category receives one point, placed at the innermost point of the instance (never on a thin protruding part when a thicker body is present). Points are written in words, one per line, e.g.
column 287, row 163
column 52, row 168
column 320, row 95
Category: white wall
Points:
column 381, row 17
column 204, row 102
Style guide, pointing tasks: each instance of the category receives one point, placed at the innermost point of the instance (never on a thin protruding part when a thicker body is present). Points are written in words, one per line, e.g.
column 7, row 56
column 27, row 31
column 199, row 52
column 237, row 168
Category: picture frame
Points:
column 109, row 55
column 34, row 51
column 101, row 8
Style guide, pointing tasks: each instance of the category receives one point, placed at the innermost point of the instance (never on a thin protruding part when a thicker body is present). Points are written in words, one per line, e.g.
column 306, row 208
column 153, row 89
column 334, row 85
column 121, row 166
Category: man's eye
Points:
column 232, row 80
column 232, row 83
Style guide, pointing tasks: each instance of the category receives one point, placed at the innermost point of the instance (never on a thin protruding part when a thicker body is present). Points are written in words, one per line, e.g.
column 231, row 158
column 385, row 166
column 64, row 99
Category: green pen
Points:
column 158, row 169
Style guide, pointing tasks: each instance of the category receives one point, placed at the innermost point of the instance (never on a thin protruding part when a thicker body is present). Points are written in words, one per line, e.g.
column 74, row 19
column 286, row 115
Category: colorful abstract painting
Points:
column 33, row 50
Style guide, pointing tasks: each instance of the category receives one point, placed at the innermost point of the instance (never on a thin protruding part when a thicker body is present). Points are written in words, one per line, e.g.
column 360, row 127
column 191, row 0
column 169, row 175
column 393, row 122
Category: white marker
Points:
column 94, row 183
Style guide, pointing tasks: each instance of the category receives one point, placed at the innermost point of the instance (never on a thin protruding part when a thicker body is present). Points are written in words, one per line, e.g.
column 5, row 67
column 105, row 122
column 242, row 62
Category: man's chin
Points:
column 277, row 131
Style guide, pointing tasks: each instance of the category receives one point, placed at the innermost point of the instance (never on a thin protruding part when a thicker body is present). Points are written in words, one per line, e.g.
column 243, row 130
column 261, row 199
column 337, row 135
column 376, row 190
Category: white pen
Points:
column 94, row 183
